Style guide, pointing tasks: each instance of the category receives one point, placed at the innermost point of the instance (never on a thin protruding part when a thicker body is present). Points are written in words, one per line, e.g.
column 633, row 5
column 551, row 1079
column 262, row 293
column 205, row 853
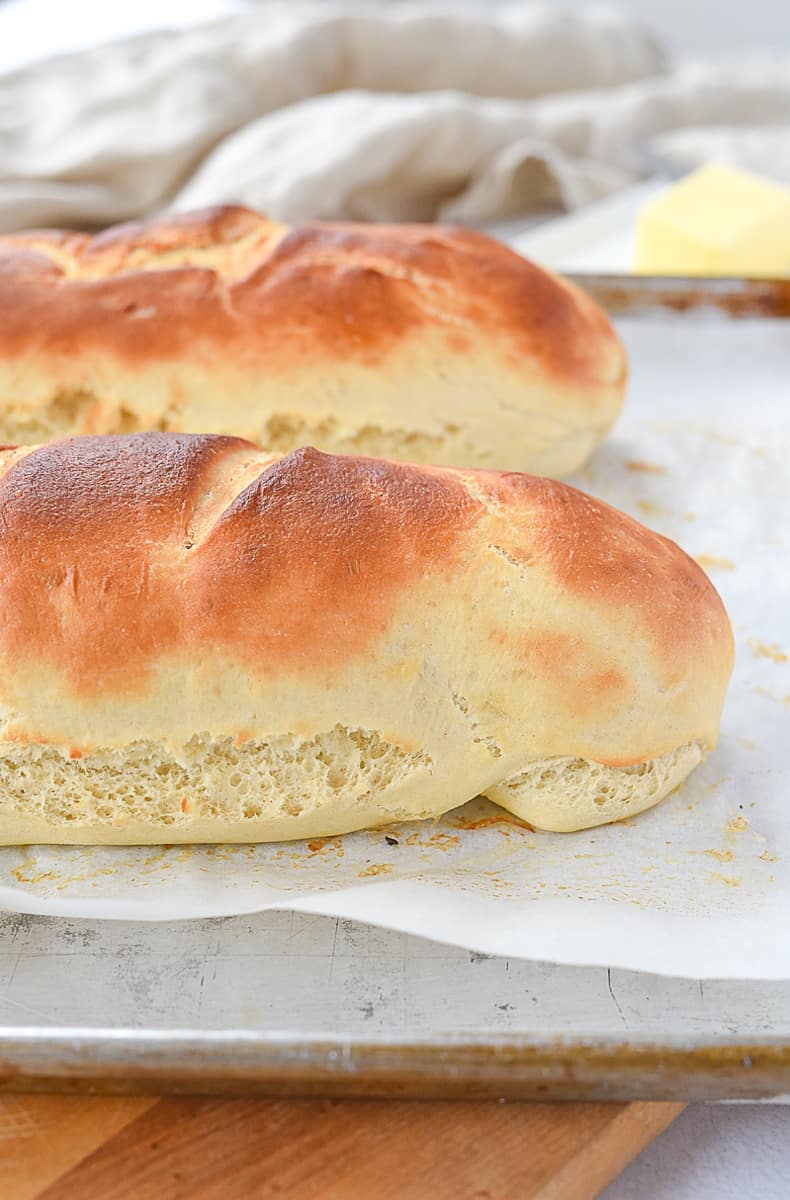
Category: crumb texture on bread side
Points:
column 563, row 794
column 284, row 786
column 290, row 787
column 549, row 446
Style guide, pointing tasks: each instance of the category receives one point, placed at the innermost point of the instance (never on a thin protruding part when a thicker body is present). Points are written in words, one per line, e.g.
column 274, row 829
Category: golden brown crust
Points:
column 610, row 561
column 319, row 548
column 116, row 249
column 298, row 562
column 86, row 525
column 104, row 570
column 228, row 281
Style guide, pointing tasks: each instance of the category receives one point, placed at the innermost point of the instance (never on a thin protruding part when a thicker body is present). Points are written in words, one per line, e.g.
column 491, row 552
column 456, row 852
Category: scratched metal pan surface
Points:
column 286, row 1003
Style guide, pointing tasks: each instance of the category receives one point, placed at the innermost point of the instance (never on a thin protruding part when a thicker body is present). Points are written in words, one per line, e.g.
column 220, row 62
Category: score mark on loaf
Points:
column 203, row 642
column 414, row 342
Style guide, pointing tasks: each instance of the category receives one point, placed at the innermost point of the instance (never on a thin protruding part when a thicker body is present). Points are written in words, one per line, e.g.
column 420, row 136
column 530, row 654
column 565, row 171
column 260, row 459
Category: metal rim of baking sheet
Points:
column 241, row 1062
column 719, row 297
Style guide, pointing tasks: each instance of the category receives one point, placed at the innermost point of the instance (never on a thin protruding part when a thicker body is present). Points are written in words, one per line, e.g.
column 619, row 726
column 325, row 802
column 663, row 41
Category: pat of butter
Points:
column 716, row 221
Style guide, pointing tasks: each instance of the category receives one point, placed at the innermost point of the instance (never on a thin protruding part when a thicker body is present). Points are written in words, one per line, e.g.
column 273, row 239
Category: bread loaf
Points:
column 202, row 643
column 412, row 342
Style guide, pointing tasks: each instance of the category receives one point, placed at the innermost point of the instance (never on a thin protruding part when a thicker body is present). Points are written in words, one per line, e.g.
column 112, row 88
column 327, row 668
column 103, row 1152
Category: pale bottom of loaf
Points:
column 216, row 790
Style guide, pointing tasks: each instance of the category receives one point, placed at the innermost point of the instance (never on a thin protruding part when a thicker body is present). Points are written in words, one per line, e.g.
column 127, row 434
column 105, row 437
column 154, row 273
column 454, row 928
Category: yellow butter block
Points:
column 716, row 221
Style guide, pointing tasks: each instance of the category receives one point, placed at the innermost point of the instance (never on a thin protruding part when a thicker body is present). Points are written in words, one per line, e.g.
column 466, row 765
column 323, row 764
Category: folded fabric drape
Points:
column 372, row 112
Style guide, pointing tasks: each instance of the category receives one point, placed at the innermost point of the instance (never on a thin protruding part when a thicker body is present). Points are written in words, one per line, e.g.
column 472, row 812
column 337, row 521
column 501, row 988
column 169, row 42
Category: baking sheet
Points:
column 279, row 1001
column 697, row 887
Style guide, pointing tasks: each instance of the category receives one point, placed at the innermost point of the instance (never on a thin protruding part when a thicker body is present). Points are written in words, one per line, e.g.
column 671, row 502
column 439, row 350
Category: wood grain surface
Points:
column 144, row 1148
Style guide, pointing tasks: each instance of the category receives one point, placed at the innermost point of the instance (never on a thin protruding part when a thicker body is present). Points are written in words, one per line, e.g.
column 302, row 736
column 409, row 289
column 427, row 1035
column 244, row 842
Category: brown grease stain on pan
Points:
column 737, row 298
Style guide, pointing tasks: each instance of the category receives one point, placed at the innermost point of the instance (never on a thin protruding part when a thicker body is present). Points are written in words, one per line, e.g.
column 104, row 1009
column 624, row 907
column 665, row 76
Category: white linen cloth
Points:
column 406, row 112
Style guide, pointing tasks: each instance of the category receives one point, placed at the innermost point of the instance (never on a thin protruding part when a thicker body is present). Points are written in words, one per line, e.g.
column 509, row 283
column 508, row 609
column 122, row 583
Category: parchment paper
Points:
column 697, row 887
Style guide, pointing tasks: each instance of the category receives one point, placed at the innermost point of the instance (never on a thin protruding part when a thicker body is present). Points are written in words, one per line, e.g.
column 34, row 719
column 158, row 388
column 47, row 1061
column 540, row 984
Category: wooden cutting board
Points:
column 144, row 1148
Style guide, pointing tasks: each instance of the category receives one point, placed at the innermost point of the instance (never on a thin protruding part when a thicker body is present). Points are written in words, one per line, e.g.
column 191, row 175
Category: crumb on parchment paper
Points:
column 649, row 508
column 498, row 819
column 736, row 825
column 636, row 464
column 727, row 880
column 773, row 651
column 20, row 876
column 769, row 695
column 375, row 869
column 443, row 841
column 714, row 562
column 722, row 856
